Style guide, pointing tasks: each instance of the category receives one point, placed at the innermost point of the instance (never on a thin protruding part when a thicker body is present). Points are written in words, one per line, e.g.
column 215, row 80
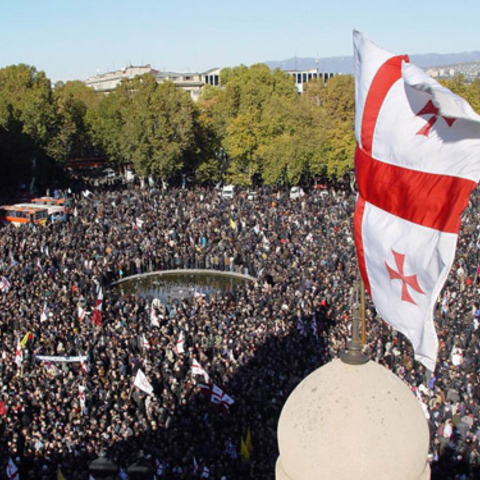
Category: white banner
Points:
column 44, row 358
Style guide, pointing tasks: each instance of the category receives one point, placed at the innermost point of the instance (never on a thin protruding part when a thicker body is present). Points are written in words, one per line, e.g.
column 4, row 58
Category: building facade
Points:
column 192, row 83
column 302, row 77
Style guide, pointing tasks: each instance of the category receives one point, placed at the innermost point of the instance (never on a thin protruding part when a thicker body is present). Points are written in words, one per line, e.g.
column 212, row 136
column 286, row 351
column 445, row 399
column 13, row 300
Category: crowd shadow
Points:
column 198, row 433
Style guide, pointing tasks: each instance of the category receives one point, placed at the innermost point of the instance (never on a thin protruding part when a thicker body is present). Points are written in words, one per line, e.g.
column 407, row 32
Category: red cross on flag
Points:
column 417, row 161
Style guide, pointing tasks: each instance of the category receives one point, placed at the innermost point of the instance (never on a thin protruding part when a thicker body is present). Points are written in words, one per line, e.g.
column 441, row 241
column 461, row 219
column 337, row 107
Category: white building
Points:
column 304, row 76
column 189, row 82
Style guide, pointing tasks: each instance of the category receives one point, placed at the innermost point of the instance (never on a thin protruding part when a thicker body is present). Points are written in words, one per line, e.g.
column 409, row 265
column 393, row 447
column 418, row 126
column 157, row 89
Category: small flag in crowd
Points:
column 97, row 313
column 28, row 336
column 198, row 370
column 142, row 382
column 18, row 355
column 219, row 397
column 158, row 469
column 12, row 471
column 81, row 397
column 206, row 472
column 180, row 347
column 145, row 342
column 230, row 450
column 195, row 465
column 5, row 284
column 85, row 367
column 154, row 316
column 44, row 314
column 60, row 475
column 138, row 225
column 81, row 313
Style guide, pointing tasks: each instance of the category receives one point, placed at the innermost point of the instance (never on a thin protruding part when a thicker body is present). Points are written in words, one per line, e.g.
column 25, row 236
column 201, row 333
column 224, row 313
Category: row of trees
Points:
column 255, row 128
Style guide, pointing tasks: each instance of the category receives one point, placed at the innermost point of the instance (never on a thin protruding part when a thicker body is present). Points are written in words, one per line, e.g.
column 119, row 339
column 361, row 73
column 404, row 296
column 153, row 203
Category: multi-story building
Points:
column 189, row 82
column 304, row 76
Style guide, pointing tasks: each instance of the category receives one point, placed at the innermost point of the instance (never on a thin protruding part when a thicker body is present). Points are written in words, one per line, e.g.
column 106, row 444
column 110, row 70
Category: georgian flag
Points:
column 219, row 397
column 5, row 284
column 417, row 161
column 142, row 382
column 81, row 314
column 197, row 369
column 97, row 313
column 180, row 346
column 18, row 355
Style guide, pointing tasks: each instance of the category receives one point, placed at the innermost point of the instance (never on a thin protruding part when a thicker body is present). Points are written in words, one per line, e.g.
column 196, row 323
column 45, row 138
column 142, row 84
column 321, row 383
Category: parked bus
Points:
column 55, row 213
column 19, row 215
column 53, row 202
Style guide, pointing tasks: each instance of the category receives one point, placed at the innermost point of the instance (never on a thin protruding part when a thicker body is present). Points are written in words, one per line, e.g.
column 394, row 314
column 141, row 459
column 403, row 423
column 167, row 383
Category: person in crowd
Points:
column 256, row 342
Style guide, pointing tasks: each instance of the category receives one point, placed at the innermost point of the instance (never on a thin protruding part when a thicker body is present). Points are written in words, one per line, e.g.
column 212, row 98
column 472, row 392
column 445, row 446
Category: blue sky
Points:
column 74, row 39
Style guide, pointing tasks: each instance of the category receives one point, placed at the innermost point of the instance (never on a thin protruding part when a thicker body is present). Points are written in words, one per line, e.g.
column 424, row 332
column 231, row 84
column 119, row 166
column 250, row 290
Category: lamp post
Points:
column 102, row 468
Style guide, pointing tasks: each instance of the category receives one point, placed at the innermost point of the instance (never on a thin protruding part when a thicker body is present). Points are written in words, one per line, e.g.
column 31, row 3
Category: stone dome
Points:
column 352, row 422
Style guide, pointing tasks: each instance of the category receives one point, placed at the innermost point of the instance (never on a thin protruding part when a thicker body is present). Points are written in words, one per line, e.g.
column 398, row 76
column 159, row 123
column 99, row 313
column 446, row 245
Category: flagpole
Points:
column 362, row 312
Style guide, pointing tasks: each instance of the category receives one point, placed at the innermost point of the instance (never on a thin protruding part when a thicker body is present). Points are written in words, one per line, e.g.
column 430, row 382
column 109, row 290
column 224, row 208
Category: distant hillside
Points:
column 345, row 64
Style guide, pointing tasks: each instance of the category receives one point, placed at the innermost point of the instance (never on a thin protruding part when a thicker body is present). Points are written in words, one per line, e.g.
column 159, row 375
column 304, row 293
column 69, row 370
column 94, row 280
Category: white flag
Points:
column 154, row 316
column 81, row 397
column 180, row 346
column 417, row 161
column 44, row 314
column 142, row 382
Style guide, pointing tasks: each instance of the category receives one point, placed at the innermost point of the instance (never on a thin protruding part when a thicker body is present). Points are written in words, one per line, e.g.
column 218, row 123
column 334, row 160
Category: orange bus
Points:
column 53, row 202
column 23, row 215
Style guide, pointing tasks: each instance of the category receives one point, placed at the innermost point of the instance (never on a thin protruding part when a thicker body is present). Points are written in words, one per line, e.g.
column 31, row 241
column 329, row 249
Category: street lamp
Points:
column 102, row 468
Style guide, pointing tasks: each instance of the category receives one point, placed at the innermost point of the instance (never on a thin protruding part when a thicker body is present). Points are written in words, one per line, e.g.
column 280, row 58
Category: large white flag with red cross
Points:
column 417, row 161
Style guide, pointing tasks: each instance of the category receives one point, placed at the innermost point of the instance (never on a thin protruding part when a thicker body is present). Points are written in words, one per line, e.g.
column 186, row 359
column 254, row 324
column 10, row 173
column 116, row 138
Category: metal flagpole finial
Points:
column 353, row 354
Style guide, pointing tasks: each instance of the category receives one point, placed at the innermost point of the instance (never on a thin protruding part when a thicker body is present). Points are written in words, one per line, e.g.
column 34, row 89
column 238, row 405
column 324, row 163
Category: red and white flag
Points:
column 18, row 355
column 142, row 382
column 180, row 346
column 417, row 161
column 206, row 472
column 219, row 397
column 81, row 314
column 197, row 369
column 44, row 314
column 5, row 284
column 85, row 367
column 12, row 471
column 97, row 313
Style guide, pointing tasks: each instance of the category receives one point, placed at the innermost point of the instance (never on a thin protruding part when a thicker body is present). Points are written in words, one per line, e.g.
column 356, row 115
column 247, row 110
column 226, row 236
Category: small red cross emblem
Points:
column 431, row 109
column 407, row 280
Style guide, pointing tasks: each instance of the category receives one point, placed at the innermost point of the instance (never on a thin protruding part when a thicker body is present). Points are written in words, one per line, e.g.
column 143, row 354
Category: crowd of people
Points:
column 256, row 342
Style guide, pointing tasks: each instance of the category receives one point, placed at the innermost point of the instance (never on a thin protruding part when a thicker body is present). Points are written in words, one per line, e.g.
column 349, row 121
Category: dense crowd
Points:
column 256, row 342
